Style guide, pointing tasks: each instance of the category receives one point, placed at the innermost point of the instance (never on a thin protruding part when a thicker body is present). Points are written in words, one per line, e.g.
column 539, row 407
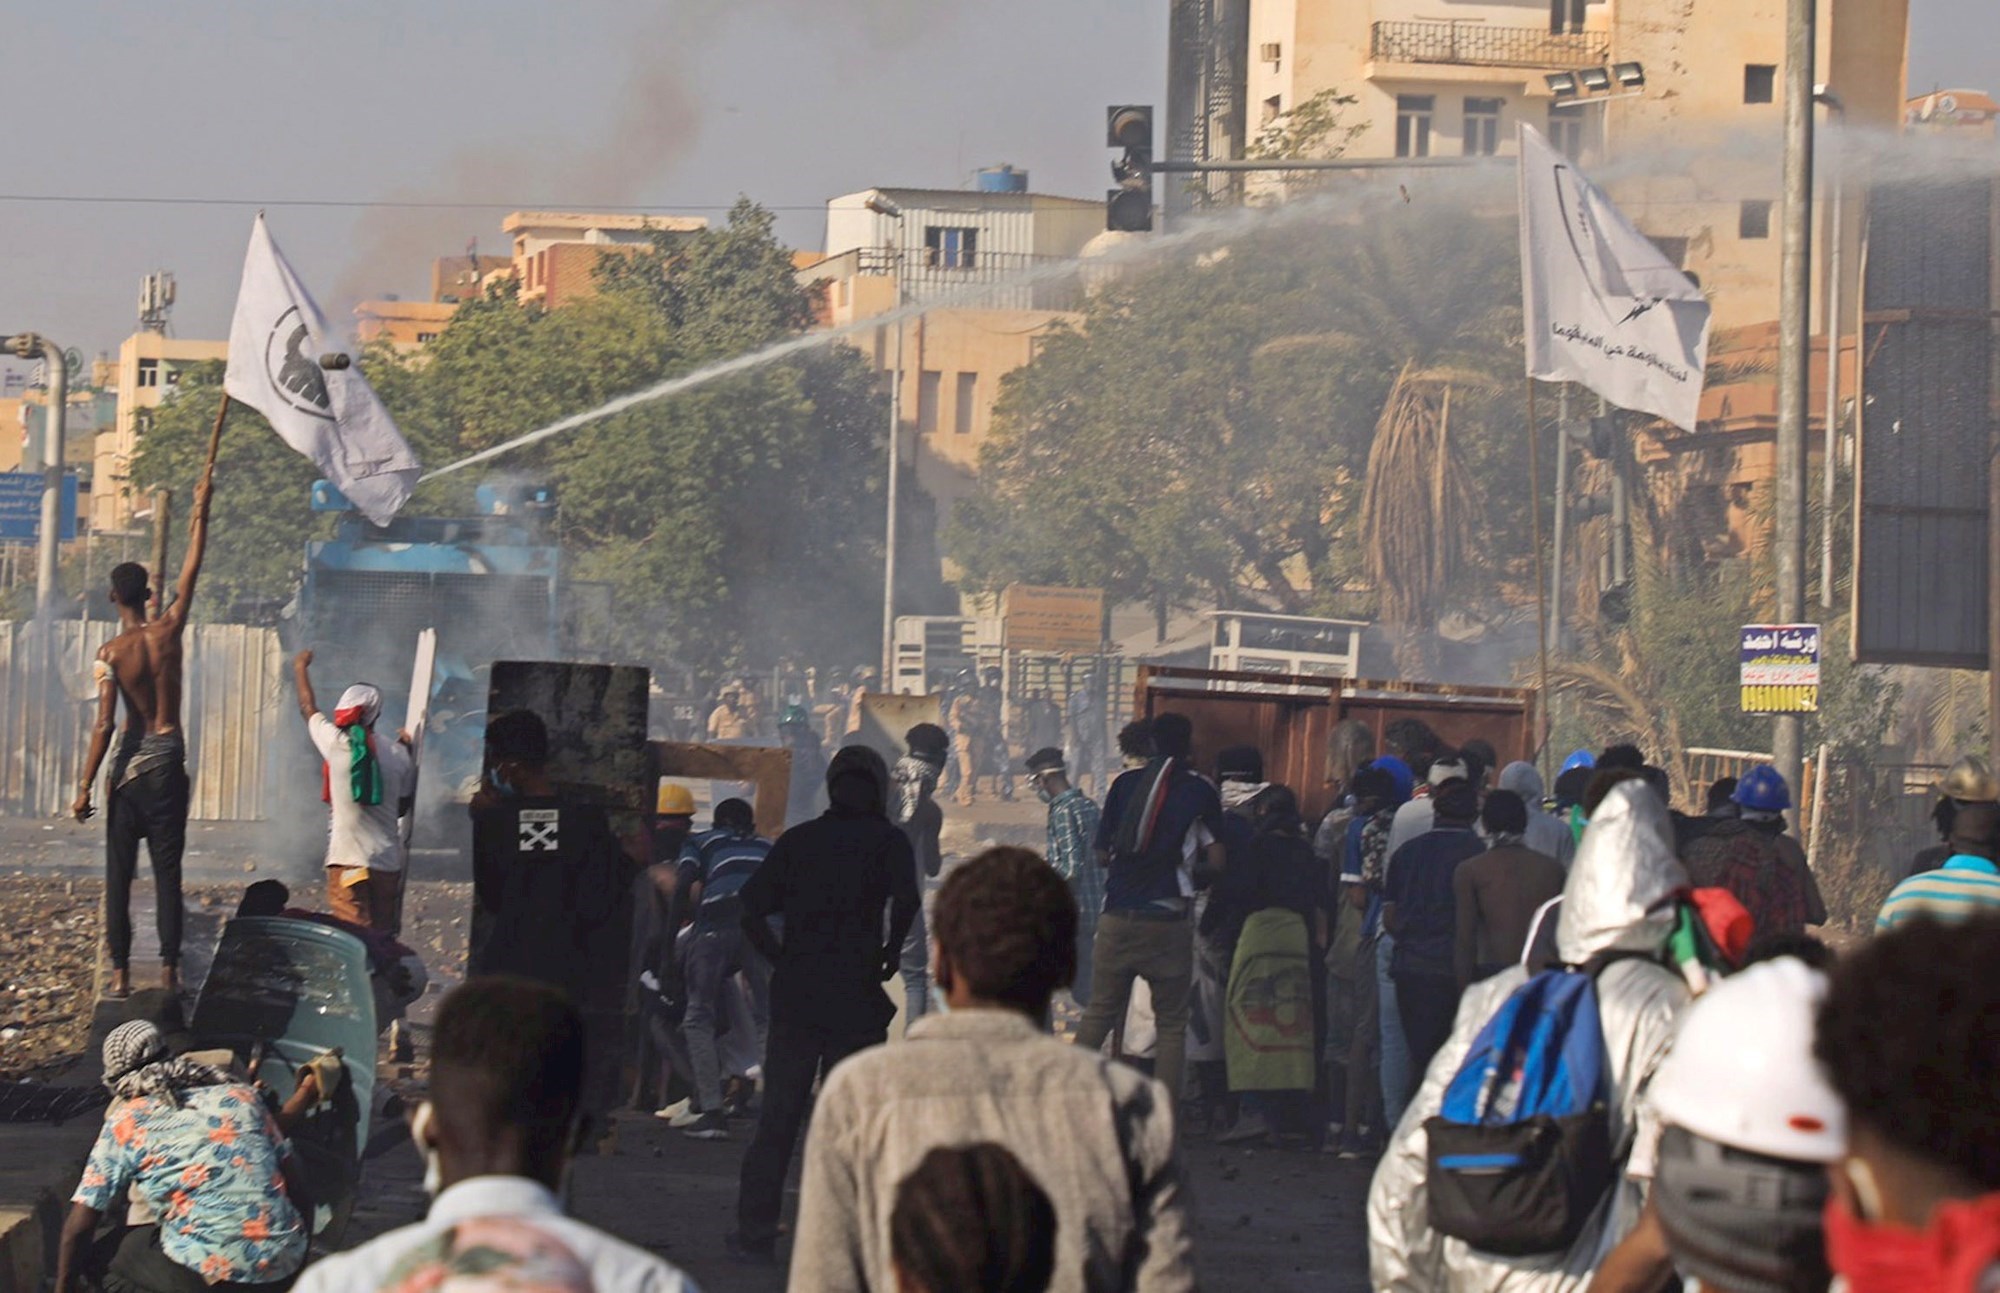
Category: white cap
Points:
column 1742, row 1071
column 1448, row 770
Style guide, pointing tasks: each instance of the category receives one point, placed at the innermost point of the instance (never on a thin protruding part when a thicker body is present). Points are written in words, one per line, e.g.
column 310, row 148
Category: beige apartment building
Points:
column 150, row 365
column 997, row 267
column 556, row 253
column 1691, row 151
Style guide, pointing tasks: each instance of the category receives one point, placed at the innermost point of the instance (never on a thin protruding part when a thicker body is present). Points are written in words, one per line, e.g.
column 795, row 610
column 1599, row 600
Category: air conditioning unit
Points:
column 1270, row 52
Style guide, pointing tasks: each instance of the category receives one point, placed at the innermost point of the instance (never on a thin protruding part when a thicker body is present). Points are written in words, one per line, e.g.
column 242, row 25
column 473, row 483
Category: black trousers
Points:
column 152, row 807
column 138, row 1266
column 794, row 1056
column 1428, row 1004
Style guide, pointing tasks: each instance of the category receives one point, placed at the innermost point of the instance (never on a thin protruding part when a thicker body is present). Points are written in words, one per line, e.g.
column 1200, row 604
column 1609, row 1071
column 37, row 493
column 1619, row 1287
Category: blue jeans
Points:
column 1398, row 1080
column 710, row 959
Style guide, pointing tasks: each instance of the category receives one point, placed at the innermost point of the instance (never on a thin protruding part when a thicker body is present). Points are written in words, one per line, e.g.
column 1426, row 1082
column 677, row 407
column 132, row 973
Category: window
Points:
column 1413, row 124
column 966, row 403
column 425, row 338
column 1566, row 15
column 1273, row 108
column 950, row 246
column 1482, row 127
column 928, row 383
column 173, row 376
column 1674, row 249
column 1753, row 220
column 1566, row 129
column 1760, row 83
column 149, row 372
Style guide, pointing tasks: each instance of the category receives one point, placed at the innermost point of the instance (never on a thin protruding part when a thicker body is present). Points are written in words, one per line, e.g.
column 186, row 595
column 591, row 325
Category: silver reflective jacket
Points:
column 1616, row 901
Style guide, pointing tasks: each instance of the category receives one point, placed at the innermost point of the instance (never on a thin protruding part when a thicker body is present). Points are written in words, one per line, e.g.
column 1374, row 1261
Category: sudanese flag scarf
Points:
column 354, row 716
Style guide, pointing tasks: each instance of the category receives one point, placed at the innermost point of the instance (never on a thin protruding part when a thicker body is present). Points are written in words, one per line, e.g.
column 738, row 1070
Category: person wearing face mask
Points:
column 552, row 888
column 546, row 869
column 1750, row 1127
column 1073, row 822
column 1907, row 1041
column 497, row 1134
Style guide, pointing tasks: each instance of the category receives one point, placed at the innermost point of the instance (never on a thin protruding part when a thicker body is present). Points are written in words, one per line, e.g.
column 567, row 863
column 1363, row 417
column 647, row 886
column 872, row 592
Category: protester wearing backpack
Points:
column 1619, row 910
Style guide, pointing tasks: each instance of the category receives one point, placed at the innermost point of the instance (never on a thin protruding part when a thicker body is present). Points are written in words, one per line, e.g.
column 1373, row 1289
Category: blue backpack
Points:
column 1519, row 1155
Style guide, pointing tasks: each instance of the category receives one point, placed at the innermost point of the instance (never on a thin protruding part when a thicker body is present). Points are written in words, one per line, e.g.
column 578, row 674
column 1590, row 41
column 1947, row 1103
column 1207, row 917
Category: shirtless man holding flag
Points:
column 148, row 790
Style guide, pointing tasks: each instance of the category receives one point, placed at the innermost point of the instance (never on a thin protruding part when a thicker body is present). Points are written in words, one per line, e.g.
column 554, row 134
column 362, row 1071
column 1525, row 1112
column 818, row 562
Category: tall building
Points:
column 150, row 365
column 1691, row 153
column 997, row 265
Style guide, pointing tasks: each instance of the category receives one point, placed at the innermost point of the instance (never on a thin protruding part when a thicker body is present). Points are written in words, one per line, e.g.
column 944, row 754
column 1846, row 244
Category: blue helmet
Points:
column 1763, row 790
column 1580, row 759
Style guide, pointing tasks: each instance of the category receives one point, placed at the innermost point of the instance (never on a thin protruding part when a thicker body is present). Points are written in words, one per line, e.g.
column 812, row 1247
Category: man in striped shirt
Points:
column 1968, row 883
column 715, row 866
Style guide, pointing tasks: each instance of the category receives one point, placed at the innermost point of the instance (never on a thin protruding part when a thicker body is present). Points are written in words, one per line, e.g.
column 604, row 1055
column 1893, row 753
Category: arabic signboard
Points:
column 21, row 505
column 1780, row 668
column 1054, row 620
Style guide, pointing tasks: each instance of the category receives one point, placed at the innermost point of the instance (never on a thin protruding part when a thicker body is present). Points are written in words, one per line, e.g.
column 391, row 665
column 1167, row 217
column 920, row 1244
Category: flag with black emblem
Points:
column 1601, row 304
column 277, row 342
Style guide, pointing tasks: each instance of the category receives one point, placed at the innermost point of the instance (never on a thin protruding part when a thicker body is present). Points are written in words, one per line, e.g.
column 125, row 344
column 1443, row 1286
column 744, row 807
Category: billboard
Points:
column 21, row 506
column 1924, row 426
column 1053, row 620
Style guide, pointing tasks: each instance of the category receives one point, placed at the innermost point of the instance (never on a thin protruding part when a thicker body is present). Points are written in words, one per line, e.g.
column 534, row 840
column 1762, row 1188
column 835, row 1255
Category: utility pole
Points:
column 1794, row 355
column 1830, row 442
column 29, row 345
column 892, row 254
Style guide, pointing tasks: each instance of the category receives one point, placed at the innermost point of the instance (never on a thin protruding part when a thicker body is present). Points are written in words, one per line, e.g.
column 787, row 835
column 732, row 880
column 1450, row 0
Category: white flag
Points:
column 1602, row 305
column 332, row 416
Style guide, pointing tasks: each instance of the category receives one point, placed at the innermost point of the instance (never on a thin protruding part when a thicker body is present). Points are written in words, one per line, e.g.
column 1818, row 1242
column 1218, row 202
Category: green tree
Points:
column 1205, row 434
column 736, row 524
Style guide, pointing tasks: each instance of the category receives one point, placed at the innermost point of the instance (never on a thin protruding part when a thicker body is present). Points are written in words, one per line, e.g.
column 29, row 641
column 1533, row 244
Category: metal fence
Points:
column 1479, row 45
column 233, row 700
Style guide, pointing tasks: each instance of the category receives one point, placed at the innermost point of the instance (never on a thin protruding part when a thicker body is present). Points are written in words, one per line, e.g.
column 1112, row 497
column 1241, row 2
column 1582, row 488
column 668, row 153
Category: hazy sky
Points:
column 678, row 106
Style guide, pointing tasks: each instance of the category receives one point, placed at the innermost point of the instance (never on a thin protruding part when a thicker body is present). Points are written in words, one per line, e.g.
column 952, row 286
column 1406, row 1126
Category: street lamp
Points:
column 28, row 345
column 1830, row 444
column 892, row 264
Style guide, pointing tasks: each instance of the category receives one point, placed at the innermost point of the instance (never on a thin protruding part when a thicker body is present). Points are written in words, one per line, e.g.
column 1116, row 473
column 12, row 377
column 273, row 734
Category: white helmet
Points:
column 1742, row 1072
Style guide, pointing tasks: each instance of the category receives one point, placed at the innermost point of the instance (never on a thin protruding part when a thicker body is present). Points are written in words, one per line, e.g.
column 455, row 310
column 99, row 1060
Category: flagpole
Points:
column 1541, row 572
column 215, row 438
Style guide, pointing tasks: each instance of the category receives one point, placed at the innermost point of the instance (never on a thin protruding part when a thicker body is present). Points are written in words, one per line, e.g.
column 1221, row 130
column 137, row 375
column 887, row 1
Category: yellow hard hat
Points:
column 675, row 801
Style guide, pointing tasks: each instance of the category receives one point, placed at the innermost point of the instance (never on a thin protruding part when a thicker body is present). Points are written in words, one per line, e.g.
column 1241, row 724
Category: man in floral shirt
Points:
column 206, row 1156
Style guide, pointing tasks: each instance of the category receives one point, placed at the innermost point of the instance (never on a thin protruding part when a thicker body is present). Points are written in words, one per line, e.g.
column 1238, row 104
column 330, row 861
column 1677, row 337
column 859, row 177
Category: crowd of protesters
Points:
column 1422, row 977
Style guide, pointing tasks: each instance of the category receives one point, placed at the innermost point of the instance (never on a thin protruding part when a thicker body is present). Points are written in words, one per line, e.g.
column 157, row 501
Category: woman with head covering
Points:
column 364, row 783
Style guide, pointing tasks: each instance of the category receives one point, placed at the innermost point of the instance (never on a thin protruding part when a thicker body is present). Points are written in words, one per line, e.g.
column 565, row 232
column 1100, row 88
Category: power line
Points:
column 332, row 203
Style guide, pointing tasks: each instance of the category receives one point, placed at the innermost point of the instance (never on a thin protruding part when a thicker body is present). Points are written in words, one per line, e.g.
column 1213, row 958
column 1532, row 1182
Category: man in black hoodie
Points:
column 829, row 881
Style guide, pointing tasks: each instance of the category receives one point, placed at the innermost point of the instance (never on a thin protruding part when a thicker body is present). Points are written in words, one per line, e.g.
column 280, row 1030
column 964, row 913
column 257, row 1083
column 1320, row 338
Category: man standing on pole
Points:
column 148, row 794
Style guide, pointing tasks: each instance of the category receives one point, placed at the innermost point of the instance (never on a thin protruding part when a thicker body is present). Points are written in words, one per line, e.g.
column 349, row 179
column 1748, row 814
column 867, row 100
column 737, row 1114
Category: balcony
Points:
column 1475, row 44
column 979, row 279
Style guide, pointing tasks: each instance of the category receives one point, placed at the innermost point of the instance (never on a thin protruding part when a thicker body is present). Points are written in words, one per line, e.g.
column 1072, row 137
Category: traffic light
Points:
column 1129, row 207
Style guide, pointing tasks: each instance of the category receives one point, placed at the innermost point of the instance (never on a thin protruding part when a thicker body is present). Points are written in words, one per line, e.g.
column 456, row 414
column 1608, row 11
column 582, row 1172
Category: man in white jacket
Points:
column 1618, row 900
